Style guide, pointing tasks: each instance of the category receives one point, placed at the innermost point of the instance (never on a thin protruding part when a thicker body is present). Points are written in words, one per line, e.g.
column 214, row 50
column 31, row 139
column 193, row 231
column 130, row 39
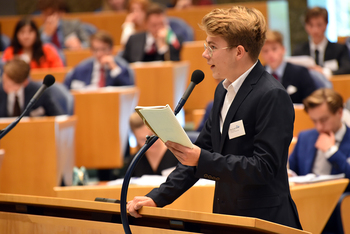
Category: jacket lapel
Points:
column 242, row 93
column 216, row 134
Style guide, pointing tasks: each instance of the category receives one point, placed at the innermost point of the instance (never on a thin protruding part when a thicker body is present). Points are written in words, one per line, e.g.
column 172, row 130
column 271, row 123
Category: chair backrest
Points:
column 64, row 98
column 320, row 80
column 89, row 28
column 181, row 28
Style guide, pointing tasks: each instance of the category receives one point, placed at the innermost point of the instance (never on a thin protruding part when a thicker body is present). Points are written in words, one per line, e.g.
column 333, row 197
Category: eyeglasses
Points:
column 211, row 50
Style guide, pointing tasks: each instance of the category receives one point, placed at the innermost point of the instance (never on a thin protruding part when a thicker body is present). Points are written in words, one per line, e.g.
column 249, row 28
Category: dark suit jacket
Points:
column 250, row 170
column 333, row 51
column 83, row 73
column 144, row 168
column 300, row 78
column 135, row 49
column 302, row 159
column 45, row 101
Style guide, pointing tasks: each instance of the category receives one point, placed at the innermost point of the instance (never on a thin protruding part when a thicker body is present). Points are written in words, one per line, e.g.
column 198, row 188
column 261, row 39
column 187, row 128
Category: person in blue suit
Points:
column 102, row 69
column 16, row 90
column 324, row 150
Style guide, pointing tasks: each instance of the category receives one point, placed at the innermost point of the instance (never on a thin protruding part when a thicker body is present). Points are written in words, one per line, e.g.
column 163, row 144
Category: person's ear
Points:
column 240, row 52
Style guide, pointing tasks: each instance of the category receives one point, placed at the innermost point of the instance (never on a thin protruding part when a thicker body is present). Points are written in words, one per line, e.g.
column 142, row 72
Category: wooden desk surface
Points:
column 227, row 221
column 315, row 202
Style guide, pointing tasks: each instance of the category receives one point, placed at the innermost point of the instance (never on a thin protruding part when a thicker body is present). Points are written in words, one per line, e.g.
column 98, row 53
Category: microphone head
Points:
column 197, row 76
column 49, row 80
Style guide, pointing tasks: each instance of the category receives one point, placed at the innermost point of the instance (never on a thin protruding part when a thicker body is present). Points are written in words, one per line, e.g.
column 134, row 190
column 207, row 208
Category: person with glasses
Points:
column 244, row 144
column 102, row 69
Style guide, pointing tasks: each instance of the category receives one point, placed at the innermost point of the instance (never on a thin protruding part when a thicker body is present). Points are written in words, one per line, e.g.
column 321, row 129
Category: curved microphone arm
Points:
column 149, row 142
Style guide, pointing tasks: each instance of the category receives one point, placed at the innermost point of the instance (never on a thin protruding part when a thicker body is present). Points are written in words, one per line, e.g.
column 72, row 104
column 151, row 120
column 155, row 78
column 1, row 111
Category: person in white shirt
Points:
column 102, row 69
column 16, row 90
column 330, row 58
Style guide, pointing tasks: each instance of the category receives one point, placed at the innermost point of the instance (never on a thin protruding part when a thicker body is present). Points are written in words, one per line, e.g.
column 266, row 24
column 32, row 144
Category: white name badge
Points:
column 236, row 129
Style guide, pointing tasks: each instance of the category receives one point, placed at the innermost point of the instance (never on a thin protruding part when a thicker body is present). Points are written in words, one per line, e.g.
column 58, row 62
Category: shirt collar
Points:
column 239, row 81
column 321, row 46
column 279, row 70
column 339, row 135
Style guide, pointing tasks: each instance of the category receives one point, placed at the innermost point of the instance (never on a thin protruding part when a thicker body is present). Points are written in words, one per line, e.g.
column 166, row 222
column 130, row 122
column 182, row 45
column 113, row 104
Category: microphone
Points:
column 196, row 78
column 48, row 81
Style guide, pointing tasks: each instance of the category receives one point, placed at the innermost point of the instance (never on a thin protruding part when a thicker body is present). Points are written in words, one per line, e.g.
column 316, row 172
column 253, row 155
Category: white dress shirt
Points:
column 11, row 100
column 232, row 89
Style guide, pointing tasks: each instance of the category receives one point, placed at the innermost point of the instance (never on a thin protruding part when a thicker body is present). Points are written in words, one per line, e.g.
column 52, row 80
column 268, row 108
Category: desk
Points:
column 103, row 124
column 39, row 152
column 308, row 198
column 41, row 215
column 59, row 73
column 161, row 83
column 341, row 84
column 2, row 154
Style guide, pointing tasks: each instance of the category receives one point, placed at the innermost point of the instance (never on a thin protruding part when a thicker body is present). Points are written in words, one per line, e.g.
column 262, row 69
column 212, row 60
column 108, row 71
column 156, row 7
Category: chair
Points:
column 181, row 28
column 320, row 80
column 345, row 212
column 89, row 28
column 64, row 98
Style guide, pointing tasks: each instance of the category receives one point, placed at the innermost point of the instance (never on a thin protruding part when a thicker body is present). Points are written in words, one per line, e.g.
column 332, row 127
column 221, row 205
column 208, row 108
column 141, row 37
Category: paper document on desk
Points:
column 312, row 178
column 302, row 60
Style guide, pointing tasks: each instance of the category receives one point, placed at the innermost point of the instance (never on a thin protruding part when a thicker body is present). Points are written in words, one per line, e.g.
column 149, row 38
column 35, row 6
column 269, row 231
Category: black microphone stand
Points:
column 149, row 142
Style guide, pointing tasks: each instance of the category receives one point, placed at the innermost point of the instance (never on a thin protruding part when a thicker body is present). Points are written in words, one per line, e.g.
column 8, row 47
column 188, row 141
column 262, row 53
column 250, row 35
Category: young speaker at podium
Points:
column 244, row 143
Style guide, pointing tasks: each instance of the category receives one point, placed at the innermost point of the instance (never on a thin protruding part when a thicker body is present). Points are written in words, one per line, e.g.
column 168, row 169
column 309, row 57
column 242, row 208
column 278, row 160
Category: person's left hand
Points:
column 317, row 68
column 161, row 37
column 325, row 141
column 109, row 61
column 185, row 155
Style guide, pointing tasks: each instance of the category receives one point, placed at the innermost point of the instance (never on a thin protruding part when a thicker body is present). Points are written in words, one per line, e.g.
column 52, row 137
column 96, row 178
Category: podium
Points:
column 315, row 202
column 33, row 214
column 103, row 124
column 39, row 153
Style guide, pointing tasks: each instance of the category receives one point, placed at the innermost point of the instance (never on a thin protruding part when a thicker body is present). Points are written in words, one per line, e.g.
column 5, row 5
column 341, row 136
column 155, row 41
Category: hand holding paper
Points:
column 185, row 155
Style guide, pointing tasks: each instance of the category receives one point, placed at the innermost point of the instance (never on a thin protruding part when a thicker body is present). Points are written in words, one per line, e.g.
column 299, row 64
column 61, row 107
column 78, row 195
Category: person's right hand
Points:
column 51, row 24
column 137, row 203
column 130, row 18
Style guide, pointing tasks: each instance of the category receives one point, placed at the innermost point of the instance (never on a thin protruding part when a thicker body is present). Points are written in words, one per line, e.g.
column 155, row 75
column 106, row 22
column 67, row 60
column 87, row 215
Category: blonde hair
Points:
column 135, row 121
column 333, row 100
column 238, row 25
column 17, row 70
column 274, row 36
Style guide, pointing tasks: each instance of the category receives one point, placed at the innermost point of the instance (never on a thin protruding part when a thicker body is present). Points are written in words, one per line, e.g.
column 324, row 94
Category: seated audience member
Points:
column 157, row 158
column 159, row 42
column 295, row 79
column 330, row 58
column 63, row 33
column 102, row 69
column 135, row 20
column 16, row 90
column 27, row 45
column 324, row 150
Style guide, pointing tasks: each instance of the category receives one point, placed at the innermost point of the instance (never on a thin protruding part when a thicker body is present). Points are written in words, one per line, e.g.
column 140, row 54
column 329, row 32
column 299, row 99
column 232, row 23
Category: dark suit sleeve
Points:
column 127, row 50
column 273, row 132
column 124, row 78
column 293, row 158
column 340, row 163
column 69, row 78
column 343, row 61
column 307, row 83
column 52, row 108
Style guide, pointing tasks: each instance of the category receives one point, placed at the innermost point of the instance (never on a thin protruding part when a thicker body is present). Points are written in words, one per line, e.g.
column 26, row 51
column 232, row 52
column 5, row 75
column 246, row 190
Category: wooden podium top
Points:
column 158, row 219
